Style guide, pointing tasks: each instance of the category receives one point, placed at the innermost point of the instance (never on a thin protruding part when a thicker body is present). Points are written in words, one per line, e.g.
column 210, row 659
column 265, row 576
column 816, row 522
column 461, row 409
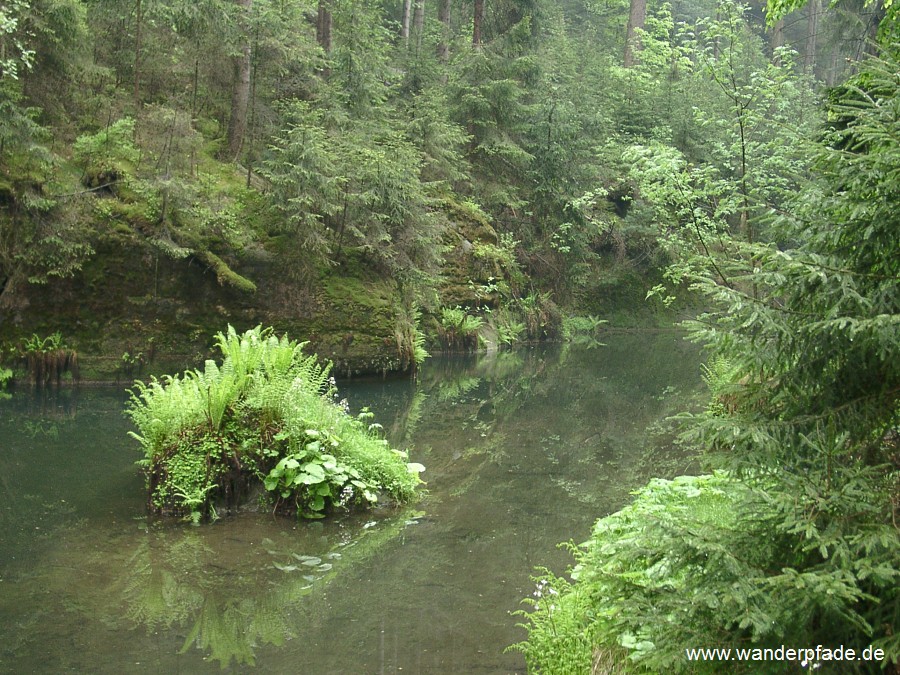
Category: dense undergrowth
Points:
column 792, row 542
column 266, row 416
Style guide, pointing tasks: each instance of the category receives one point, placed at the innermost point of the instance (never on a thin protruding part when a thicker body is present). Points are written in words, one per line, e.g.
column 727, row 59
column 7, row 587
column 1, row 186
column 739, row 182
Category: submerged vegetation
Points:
column 266, row 416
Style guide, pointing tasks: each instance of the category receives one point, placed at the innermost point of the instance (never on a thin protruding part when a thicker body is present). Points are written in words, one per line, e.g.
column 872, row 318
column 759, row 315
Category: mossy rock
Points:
column 356, row 323
column 469, row 221
column 467, row 226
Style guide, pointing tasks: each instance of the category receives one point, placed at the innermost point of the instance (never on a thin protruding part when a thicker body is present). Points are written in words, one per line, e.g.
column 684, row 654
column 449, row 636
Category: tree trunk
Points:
column 443, row 49
column 876, row 15
column 418, row 22
column 195, row 87
column 240, row 87
column 637, row 13
column 323, row 27
column 715, row 45
column 812, row 29
column 139, row 19
column 477, row 19
column 251, row 133
column 831, row 75
column 777, row 40
column 404, row 24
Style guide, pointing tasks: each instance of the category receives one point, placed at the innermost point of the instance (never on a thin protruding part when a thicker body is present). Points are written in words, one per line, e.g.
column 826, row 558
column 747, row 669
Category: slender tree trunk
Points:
column 240, row 88
column 812, row 29
column 831, row 76
column 252, row 126
column 139, row 20
column 404, row 22
column 477, row 19
column 875, row 18
column 637, row 14
column 418, row 22
column 323, row 26
column 777, row 40
column 716, row 39
column 443, row 49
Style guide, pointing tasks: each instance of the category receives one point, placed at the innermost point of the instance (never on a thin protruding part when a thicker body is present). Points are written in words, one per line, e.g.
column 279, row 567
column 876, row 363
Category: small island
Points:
column 262, row 423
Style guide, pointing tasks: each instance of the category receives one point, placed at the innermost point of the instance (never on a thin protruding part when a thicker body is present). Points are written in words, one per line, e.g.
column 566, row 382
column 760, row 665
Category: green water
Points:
column 523, row 451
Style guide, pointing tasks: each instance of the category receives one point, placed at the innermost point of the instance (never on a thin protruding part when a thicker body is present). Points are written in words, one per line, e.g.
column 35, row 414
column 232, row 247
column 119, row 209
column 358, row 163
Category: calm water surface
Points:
column 523, row 451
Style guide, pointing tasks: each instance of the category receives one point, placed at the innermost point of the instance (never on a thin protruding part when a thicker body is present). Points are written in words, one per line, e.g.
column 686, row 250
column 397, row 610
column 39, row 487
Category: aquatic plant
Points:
column 265, row 417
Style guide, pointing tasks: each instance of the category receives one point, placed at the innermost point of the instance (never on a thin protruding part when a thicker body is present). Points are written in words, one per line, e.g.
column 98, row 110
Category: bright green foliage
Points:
column 817, row 347
column 796, row 543
column 110, row 153
column 510, row 329
column 14, row 50
column 698, row 561
column 721, row 376
column 560, row 641
column 265, row 415
column 6, row 375
column 752, row 146
column 755, row 144
column 646, row 585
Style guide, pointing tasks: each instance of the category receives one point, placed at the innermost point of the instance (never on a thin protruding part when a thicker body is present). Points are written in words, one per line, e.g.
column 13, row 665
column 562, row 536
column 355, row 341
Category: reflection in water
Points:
column 523, row 450
column 166, row 583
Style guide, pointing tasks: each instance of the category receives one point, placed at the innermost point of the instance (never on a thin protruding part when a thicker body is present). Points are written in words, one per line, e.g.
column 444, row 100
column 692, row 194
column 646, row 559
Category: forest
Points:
column 384, row 179
column 381, row 177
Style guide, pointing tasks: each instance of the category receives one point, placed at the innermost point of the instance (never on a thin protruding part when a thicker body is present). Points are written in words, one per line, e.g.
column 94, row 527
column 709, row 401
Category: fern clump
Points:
column 263, row 417
column 459, row 329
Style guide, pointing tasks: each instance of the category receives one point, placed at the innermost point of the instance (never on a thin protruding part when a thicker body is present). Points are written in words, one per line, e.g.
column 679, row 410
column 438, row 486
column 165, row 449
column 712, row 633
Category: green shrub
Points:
column 265, row 416
column 722, row 379
column 109, row 155
column 705, row 562
column 499, row 260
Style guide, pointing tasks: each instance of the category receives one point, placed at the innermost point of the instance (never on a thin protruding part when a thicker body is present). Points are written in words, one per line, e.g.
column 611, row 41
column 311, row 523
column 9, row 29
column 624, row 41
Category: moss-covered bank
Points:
column 135, row 309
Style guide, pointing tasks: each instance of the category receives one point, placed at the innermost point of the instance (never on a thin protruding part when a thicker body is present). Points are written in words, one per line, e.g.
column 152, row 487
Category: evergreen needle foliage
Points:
column 795, row 542
column 265, row 415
